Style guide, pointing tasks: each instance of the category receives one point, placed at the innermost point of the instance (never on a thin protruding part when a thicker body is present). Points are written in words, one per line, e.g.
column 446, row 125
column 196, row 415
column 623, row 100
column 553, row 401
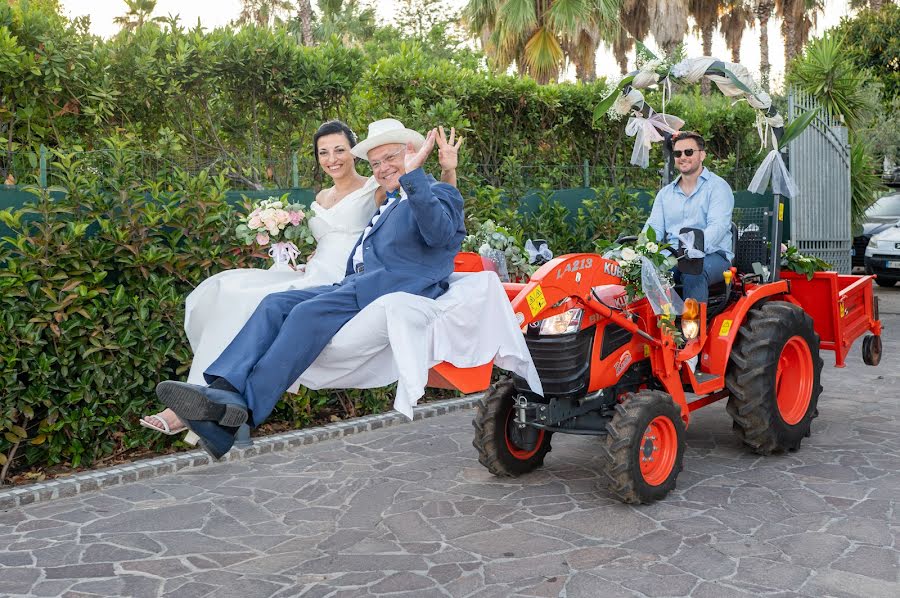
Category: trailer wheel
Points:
column 774, row 378
column 871, row 349
column 504, row 448
column 644, row 447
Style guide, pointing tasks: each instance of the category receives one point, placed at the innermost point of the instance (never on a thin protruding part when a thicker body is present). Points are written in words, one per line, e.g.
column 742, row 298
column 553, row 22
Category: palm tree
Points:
column 873, row 4
column 262, row 12
column 305, row 14
column 798, row 19
column 706, row 17
column 138, row 14
column 668, row 23
column 763, row 10
column 538, row 35
column 635, row 25
column 345, row 19
column 736, row 16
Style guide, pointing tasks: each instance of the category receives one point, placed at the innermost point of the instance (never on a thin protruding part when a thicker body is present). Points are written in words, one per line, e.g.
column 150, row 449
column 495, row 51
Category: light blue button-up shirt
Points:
column 708, row 208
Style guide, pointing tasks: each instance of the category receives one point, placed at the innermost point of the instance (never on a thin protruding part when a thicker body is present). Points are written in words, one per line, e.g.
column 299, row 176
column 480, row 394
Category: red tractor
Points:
column 609, row 369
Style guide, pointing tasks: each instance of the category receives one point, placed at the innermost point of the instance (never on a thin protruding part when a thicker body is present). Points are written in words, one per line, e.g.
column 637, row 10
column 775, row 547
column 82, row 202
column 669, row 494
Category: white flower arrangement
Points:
column 630, row 261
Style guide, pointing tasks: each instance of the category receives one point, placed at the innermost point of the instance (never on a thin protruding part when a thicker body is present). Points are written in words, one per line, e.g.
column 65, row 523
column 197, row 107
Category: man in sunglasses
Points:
column 696, row 199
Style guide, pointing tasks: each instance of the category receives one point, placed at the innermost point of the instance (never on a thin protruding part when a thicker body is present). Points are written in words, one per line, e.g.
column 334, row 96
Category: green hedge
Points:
column 247, row 99
column 92, row 294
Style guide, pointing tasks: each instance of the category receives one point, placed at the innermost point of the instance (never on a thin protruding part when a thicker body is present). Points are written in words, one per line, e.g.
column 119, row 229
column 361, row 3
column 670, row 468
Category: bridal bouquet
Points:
column 279, row 223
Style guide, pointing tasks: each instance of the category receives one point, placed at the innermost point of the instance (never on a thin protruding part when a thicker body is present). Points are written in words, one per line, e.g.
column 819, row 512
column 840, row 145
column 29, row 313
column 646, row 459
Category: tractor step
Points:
column 705, row 378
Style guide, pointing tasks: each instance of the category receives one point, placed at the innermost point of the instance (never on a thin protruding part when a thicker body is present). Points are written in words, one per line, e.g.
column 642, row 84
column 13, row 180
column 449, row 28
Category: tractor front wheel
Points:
column 774, row 378
column 644, row 447
column 503, row 447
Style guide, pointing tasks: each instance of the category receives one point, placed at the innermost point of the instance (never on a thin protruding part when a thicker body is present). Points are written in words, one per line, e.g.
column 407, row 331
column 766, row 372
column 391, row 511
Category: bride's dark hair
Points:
column 333, row 127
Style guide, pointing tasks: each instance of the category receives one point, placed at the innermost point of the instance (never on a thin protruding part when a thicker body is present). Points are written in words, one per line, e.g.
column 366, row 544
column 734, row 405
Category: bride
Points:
column 220, row 306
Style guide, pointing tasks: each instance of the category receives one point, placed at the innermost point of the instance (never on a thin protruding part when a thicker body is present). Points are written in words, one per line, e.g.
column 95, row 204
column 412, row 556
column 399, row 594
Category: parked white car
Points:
column 883, row 256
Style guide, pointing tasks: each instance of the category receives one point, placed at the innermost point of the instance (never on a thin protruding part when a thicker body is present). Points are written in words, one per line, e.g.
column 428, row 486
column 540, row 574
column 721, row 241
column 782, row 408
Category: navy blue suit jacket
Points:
column 412, row 245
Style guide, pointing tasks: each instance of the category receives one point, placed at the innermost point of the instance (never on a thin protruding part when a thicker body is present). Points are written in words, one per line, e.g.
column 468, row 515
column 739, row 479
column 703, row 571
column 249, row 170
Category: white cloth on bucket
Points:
column 399, row 337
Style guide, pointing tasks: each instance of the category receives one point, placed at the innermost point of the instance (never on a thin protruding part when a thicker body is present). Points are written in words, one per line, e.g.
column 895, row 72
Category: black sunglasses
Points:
column 687, row 152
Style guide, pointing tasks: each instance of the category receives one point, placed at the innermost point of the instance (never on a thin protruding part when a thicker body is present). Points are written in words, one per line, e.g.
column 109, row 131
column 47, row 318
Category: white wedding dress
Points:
column 220, row 306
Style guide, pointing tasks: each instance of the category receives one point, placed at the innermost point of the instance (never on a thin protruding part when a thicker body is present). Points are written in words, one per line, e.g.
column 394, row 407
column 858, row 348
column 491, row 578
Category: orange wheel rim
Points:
column 794, row 380
column 658, row 450
column 512, row 447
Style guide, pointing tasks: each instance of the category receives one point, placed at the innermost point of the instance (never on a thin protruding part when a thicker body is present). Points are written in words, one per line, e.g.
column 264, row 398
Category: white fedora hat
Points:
column 382, row 132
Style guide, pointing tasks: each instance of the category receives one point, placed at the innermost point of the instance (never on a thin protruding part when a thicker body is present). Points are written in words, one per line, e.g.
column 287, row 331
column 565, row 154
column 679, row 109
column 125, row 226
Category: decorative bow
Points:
column 284, row 252
column 646, row 131
column 540, row 254
column 773, row 167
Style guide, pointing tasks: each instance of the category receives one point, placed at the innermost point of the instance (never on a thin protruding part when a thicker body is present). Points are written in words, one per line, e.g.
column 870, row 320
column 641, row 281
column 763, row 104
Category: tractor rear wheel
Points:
column 503, row 447
column 774, row 378
column 644, row 447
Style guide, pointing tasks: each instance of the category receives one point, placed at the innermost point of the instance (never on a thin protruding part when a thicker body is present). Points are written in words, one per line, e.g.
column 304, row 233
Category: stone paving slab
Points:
column 408, row 511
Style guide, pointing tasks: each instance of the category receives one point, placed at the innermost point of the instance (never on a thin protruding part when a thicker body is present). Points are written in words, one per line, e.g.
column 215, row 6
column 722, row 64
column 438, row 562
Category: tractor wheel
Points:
column 644, row 447
column 503, row 447
column 773, row 377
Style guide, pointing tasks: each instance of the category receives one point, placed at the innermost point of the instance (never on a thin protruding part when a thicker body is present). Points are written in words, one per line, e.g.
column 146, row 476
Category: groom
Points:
column 408, row 246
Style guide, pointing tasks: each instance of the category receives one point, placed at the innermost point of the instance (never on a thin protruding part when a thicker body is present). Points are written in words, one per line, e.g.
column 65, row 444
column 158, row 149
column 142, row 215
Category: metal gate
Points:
column 819, row 161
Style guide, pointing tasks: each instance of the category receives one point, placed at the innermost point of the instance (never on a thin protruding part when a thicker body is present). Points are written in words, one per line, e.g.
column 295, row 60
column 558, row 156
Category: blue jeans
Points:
column 696, row 286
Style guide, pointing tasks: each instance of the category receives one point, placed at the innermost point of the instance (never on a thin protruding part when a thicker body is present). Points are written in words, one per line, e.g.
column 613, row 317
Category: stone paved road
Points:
column 407, row 511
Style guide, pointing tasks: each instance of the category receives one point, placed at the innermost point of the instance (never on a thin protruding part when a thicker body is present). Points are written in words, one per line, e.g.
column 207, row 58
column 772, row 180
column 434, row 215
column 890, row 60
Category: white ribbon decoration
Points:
column 534, row 252
column 774, row 168
column 284, row 252
column 687, row 241
column 646, row 131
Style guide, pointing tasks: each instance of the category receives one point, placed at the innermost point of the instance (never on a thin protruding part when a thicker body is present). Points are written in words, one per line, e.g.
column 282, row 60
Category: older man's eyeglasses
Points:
column 390, row 158
column 677, row 153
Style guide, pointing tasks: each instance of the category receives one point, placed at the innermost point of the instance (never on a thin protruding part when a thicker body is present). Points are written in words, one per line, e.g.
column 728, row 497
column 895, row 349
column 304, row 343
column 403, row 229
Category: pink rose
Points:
column 262, row 239
column 282, row 217
column 296, row 218
column 254, row 222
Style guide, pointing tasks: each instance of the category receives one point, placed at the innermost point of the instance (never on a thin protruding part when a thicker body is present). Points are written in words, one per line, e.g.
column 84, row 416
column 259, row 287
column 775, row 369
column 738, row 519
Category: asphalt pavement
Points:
column 407, row 511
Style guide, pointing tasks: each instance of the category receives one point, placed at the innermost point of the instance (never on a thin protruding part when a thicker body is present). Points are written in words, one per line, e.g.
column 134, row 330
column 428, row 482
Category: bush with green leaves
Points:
column 92, row 288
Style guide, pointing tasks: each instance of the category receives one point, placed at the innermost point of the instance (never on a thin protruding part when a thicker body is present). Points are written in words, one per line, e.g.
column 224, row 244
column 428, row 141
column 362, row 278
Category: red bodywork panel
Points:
column 842, row 308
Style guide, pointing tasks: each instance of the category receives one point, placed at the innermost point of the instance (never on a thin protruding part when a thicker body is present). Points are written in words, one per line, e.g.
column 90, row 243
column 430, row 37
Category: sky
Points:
column 216, row 13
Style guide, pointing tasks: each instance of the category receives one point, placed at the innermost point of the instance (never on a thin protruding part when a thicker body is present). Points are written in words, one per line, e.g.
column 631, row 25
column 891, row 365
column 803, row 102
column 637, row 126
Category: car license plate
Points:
column 892, row 264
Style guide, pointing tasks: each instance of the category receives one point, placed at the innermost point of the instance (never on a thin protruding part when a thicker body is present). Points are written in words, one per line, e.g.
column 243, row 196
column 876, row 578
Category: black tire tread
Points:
column 617, row 450
column 488, row 437
column 751, row 374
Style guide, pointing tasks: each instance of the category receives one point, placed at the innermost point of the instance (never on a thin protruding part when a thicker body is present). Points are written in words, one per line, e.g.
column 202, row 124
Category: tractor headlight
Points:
column 690, row 319
column 563, row 323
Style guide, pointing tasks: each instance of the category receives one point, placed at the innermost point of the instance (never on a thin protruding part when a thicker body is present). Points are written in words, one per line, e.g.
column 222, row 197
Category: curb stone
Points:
column 159, row 466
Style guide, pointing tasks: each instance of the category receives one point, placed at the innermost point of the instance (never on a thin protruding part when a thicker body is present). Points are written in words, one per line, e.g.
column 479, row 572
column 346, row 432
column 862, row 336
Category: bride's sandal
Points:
column 191, row 438
column 164, row 427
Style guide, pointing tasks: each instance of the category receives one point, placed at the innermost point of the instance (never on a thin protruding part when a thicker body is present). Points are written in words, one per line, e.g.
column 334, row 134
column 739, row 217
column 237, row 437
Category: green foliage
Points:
column 797, row 126
column 828, row 73
column 490, row 241
column 792, row 259
column 612, row 213
column 871, row 42
column 865, row 183
column 92, row 308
